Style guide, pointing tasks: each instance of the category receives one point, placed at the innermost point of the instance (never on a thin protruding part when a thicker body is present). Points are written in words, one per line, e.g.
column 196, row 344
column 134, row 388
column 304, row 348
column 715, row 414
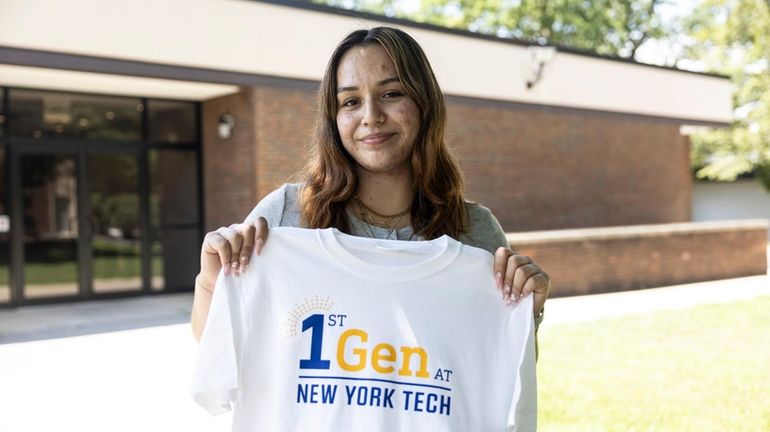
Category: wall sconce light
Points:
column 541, row 56
column 226, row 125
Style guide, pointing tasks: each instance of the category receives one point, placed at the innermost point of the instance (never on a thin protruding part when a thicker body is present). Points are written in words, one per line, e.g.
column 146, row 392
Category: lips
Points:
column 376, row 138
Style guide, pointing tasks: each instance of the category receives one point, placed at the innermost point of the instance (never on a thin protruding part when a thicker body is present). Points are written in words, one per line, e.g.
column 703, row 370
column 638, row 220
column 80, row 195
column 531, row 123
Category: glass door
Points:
column 81, row 230
column 114, row 221
column 104, row 196
column 50, row 210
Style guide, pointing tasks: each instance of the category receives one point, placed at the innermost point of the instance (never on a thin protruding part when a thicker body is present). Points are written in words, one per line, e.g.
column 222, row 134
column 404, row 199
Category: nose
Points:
column 373, row 113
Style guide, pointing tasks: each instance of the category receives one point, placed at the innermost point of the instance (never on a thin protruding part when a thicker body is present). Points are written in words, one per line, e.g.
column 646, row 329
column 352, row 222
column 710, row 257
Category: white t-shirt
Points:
column 331, row 332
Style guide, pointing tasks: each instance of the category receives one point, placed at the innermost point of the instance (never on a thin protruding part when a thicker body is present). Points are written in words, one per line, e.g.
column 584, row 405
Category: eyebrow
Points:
column 381, row 83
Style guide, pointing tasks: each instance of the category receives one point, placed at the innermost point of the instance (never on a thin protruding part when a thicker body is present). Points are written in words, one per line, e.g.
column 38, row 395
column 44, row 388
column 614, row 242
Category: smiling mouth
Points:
column 376, row 138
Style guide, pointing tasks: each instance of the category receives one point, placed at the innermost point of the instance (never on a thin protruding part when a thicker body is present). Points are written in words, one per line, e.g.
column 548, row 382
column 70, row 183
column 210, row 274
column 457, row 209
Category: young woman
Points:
column 380, row 168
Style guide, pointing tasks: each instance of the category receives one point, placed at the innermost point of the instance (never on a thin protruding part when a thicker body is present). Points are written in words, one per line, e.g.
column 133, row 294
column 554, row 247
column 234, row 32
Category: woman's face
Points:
column 377, row 121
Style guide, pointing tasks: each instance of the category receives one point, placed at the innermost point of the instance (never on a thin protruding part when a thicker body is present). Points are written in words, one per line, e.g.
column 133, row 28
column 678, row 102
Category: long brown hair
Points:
column 330, row 177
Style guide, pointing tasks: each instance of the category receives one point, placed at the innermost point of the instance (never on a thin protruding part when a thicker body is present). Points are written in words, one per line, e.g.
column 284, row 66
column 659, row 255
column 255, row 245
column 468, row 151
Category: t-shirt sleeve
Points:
column 522, row 416
column 270, row 207
column 215, row 377
column 485, row 231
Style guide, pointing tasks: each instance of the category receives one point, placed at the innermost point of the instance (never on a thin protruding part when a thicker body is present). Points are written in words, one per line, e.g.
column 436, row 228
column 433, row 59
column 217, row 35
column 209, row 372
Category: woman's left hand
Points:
column 517, row 276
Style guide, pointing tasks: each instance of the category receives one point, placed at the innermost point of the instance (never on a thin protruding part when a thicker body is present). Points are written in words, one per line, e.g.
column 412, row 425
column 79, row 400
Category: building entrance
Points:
column 108, row 213
column 82, row 233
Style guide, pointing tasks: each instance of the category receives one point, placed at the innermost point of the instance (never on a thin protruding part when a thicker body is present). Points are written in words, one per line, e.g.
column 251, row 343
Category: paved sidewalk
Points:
column 137, row 379
column 98, row 316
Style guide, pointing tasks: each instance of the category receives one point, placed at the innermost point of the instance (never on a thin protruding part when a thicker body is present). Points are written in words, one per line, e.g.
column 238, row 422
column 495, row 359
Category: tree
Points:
column 610, row 27
column 381, row 7
column 732, row 37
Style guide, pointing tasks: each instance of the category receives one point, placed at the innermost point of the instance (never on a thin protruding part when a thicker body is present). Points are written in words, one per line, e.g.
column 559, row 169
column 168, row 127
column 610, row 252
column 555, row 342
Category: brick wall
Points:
column 284, row 130
column 269, row 143
column 585, row 261
column 229, row 165
column 536, row 168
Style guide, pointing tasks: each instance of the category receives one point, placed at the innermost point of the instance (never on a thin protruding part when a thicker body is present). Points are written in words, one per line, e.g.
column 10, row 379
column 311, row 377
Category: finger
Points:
column 247, row 231
column 523, row 273
column 543, row 285
column 216, row 244
column 210, row 259
column 529, row 285
column 235, row 241
column 237, row 267
column 261, row 234
column 513, row 263
column 510, row 270
column 540, row 284
column 501, row 258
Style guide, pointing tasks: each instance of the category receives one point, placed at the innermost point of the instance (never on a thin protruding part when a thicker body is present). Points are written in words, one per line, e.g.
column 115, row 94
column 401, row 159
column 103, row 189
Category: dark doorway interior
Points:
column 100, row 196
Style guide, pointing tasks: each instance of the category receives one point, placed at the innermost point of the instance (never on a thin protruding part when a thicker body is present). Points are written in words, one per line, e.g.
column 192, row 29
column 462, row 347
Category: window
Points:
column 39, row 114
column 174, row 218
column 172, row 122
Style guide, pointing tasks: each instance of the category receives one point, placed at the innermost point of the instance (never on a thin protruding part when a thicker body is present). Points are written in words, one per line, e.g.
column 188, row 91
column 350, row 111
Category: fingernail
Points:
column 499, row 280
column 259, row 244
column 227, row 269
column 507, row 290
column 243, row 264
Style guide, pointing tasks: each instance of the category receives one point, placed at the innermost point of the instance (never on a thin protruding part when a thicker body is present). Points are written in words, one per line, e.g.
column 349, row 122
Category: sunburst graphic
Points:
column 302, row 310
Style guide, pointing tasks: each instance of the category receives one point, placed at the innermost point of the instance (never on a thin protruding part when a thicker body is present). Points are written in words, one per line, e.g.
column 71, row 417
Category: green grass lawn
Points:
column 111, row 259
column 701, row 369
column 65, row 272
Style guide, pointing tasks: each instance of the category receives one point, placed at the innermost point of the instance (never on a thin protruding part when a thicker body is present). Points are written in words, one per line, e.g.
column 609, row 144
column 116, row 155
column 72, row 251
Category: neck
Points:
column 386, row 193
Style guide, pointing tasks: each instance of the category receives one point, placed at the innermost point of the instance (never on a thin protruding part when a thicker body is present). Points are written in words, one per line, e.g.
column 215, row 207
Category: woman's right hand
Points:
column 230, row 248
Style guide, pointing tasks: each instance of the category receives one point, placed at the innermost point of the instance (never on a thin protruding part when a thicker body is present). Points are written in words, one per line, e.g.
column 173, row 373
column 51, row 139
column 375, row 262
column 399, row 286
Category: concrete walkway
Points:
column 98, row 316
column 129, row 368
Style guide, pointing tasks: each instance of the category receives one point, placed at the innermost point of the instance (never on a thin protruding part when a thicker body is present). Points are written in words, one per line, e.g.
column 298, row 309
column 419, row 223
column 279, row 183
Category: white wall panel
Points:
column 258, row 38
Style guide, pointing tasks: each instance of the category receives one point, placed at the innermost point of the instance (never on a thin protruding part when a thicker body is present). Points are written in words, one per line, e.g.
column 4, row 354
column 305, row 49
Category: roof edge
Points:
column 122, row 67
column 308, row 5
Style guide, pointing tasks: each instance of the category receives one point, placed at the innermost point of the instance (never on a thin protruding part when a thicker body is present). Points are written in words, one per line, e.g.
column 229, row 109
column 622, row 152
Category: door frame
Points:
column 16, row 149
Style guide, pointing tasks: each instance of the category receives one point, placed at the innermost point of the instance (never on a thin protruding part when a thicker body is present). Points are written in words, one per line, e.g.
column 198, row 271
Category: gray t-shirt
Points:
column 281, row 208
